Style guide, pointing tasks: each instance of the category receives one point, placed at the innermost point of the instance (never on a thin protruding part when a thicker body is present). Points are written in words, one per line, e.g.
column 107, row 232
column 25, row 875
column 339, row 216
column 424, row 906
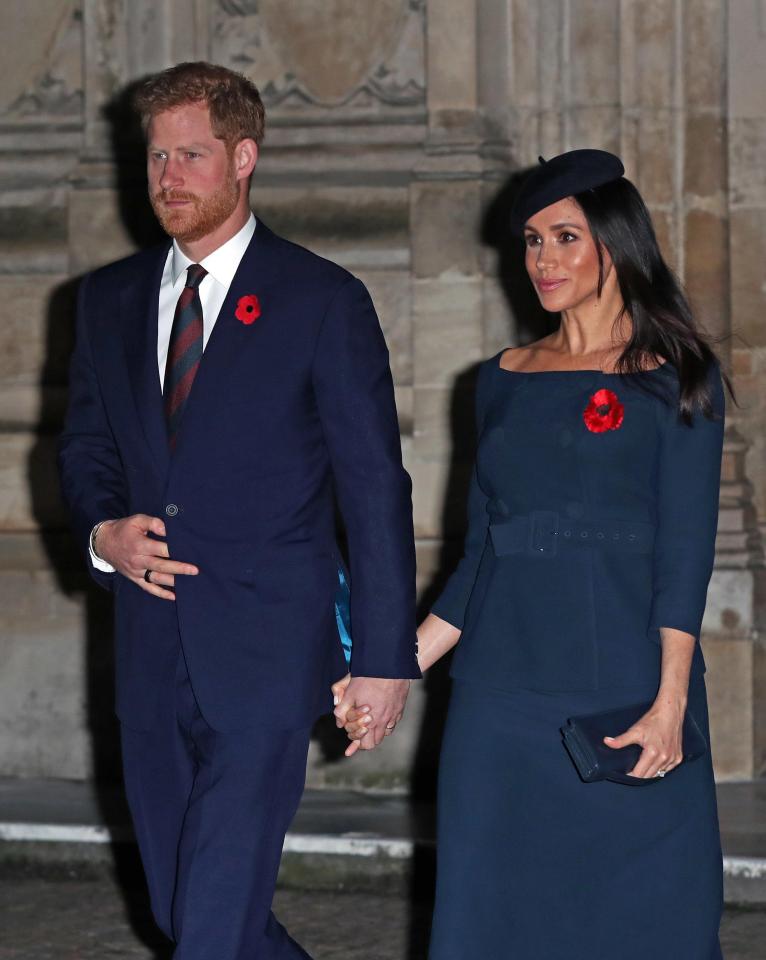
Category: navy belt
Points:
column 543, row 532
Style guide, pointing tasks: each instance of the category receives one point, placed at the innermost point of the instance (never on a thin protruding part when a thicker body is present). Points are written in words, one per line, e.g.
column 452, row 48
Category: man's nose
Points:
column 170, row 176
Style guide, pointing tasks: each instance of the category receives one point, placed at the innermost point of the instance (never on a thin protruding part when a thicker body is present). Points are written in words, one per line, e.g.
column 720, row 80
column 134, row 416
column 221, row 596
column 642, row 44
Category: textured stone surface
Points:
column 41, row 55
column 43, row 921
column 35, row 333
column 388, row 162
column 378, row 47
column 445, row 218
column 97, row 230
column 447, row 330
column 29, row 488
column 391, row 292
column 730, row 692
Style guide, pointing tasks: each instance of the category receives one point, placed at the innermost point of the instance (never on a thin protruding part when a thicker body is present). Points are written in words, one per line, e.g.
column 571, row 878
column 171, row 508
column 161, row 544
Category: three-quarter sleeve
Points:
column 453, row 601
column 688, row 484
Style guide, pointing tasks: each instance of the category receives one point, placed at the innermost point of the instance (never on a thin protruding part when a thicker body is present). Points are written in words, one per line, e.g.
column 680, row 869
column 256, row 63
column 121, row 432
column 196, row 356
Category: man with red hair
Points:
column 225, row 389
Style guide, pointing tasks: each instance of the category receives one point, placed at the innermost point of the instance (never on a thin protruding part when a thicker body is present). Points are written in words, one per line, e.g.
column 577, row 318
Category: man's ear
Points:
column 245, row 158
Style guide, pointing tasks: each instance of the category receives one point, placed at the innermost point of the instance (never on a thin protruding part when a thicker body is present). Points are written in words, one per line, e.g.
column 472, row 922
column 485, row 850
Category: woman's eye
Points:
column 567, row 237
column 531, row 240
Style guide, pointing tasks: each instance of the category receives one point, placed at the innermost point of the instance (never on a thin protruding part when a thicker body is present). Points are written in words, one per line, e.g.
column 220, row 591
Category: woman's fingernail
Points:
column 364, row 709
column 336, row 700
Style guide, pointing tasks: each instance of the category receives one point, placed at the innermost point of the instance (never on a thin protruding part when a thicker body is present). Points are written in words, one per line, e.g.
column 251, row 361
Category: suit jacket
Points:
column 285, row 415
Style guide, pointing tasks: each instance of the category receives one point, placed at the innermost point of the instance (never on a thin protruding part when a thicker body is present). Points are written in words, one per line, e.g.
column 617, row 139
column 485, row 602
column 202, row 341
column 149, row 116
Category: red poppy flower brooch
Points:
column 604, row 412
column 248, row 308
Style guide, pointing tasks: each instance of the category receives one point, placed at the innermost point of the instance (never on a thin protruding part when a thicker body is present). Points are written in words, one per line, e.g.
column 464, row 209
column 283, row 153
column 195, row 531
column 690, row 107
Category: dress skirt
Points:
column 534, row 864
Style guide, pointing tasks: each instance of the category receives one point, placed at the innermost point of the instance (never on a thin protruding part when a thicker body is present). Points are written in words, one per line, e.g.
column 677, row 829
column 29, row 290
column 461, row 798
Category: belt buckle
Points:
column 543, row 533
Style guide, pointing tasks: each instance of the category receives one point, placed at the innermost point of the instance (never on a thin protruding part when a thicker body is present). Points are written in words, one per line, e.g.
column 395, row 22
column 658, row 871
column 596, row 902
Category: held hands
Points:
column 125, row 545
column 660, row 733
column 369, row 708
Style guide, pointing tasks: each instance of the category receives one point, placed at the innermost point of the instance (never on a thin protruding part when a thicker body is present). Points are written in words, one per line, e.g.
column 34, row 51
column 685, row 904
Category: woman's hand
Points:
column 358, row 719
column 338, row 691
column 660, row 733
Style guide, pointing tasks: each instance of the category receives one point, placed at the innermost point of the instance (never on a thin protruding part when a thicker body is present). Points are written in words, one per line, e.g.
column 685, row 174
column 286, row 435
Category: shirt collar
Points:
column 222, row 263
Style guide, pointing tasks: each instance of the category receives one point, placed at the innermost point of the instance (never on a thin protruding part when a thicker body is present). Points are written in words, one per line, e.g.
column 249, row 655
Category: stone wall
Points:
column 394, row 131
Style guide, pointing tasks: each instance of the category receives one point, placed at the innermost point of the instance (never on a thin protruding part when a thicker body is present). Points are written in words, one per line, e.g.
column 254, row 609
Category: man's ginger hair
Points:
column 235, row 105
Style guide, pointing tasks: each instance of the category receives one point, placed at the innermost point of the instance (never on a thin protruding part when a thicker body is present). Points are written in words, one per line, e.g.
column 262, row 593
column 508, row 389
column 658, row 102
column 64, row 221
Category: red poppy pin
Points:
column 248, row 308
column 604, row 412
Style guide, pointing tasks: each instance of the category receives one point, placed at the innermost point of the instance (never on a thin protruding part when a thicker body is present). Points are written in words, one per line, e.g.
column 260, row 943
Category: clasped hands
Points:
column 369, row 708
column 131, row 547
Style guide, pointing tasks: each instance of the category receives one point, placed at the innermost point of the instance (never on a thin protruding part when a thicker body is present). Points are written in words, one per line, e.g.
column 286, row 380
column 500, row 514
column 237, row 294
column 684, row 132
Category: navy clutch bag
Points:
column 584, row 741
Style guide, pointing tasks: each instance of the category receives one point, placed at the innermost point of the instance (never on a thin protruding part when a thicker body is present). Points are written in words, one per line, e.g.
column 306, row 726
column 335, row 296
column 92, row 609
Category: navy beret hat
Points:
column 563, row 176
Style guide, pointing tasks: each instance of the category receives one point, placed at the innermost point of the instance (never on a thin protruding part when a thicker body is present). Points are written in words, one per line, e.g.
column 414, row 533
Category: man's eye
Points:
column 191, row 155
column 157, row 155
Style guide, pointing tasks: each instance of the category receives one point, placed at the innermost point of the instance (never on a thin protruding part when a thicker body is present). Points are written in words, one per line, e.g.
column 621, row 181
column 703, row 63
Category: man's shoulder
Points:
column 304, row 263
column 119, row 273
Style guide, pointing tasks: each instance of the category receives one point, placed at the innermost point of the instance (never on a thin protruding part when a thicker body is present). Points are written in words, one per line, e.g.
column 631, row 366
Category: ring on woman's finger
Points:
column 148, row 576
column 661, row 773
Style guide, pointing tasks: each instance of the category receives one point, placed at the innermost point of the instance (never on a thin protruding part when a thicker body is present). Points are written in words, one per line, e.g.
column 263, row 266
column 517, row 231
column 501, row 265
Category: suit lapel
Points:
column 258, row 273
column 139, row 309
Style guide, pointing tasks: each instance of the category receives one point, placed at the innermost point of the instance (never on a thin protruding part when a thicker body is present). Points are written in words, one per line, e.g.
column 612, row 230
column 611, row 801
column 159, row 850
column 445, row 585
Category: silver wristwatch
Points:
column 93, row 535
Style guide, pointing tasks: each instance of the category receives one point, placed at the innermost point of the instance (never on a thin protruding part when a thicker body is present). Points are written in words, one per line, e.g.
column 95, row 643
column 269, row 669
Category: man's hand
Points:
column 385, row 700
column 125, row 545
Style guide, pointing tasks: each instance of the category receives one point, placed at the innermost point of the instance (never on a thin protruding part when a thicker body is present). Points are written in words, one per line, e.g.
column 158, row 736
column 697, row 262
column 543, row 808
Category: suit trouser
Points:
column 210, row 811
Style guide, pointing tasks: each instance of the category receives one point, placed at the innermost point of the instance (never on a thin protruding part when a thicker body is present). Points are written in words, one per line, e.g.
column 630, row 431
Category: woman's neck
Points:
column 599, row 326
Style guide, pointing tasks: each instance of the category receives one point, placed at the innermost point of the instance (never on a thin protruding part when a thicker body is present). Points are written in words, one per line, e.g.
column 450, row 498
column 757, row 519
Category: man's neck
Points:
column 197, row 250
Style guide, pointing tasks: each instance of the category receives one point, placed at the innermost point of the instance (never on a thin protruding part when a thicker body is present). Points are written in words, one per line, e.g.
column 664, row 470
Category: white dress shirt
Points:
column 221, row 265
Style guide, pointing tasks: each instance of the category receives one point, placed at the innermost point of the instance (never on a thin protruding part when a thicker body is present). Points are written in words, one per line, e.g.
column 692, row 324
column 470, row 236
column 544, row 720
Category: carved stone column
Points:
column 733, row 626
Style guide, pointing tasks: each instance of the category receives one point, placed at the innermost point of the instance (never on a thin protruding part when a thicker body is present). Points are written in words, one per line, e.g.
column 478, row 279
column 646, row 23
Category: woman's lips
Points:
column 547, row 285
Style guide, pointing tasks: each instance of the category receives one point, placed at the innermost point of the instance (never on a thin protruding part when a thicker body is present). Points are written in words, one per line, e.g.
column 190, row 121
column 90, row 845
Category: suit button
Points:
column 171, row 509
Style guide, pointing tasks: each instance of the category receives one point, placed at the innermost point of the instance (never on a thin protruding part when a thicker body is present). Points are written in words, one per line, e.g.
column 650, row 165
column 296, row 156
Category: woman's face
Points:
column 561, row 257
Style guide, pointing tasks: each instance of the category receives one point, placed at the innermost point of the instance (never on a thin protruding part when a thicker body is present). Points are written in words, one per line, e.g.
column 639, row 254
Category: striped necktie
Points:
column 184, row 351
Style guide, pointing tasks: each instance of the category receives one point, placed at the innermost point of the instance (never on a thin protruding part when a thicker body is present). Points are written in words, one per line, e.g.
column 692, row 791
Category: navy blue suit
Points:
column 286, row 414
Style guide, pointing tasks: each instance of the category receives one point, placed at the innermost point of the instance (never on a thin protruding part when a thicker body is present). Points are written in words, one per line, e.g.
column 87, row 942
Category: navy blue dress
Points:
column 592, row 521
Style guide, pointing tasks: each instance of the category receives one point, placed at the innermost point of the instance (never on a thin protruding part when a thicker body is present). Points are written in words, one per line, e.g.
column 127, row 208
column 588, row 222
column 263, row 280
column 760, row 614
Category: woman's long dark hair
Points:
column 663, row 326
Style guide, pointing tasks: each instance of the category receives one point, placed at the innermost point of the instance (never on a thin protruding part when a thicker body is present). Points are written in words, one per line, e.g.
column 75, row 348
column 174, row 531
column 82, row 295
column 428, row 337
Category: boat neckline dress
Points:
column 592, row 516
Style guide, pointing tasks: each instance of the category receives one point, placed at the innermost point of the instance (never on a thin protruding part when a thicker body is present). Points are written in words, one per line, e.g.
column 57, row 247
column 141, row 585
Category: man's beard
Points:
column 204, row 215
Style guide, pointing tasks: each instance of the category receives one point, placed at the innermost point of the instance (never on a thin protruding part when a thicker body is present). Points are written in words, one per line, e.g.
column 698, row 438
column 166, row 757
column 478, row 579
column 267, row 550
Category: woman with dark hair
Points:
column 580, row 595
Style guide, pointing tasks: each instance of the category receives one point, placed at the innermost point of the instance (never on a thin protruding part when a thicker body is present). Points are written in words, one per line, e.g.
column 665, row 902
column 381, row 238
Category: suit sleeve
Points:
column 355, row 398
column 453, row 601
column 92, row 481
column 688, row 485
